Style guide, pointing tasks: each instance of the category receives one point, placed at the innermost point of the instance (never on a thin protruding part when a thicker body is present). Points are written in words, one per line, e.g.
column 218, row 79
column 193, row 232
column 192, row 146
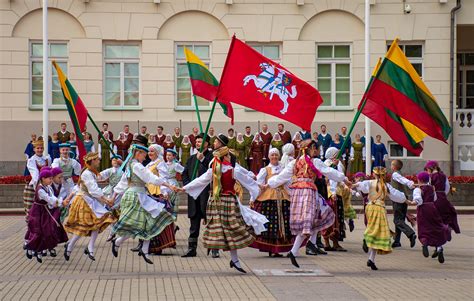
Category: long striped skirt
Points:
column 337, row 229
column 82, row 221
column 225, row 228
column 305, row 212
column 136, row 222
column 166, row 239
column 28, row 199
column 277, row 238
column 377, row 234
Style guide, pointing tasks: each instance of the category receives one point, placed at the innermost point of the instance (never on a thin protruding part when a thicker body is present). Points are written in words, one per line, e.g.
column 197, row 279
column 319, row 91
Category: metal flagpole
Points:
column 368, row 140
column 45, row 77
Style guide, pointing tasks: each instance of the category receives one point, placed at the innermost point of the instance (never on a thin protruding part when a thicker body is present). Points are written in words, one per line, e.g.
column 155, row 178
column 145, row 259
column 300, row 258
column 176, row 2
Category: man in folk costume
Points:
column 177, row 139
column 212, row 137
column 193, row 136
column 267, row 140
column 160, row 136
column 88, row 215
column 63, row 134
column 248, row 139
column 305, row 135
column 226, row 227
column 34, row 165
column 325, row 140
column 377, row 234
column 197, row 205
column 141, row 216
column 284, row 134
column 308, row 212
column 105, row 129
column 274, row 203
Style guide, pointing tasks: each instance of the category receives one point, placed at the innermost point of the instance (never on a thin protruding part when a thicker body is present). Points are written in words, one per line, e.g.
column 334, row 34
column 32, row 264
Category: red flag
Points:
column 256, row 82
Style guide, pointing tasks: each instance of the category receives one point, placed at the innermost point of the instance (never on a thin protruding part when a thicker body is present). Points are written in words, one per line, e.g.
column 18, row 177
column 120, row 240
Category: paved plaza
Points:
column 403, row 275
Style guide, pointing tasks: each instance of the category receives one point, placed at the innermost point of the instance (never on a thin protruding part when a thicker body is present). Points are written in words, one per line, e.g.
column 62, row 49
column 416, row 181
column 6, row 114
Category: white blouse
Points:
column 262, row 174
column 418, row 197
column 286, row 175
column 48, row 196
column 393, row 194
column 144, row 174
column 33, row 169
column 397, row 177
column 89, row 179
column 332, row 183
column 195, row 188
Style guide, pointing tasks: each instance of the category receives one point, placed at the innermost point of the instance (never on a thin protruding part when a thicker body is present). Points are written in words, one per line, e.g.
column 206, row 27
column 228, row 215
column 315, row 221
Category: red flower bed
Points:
column 22, row 179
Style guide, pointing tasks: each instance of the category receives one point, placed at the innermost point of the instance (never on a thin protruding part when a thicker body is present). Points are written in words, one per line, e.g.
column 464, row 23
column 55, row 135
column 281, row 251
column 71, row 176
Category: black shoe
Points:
column 425, row 251
column 190, row 253
column 110, row 238
column 319, row 243
column 435, row 253
column 145, row 257
column 351, row 225
column 137, row 248
column 24, row 246
column 114, row 248
column 28, row 254
column 372, row 265
column 52, row 253
column 365, row 248
column 440, row 256
column 293, row 259
column 321, row 252
column 176, row 229
column 396, row 245
column 66, row 253
column 412, row 240
column 38, row 257
column 311, row 252
column 215, row 253
column 311, row 247
column 44, row 253
column 232, row 265
column 89, row 254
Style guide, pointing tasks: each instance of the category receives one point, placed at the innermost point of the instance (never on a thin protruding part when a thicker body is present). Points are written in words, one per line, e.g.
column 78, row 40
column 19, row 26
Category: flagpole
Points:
column 205, row 136
column 45, row 77
column 197, row 112
column 101, row 135
column 368, row 140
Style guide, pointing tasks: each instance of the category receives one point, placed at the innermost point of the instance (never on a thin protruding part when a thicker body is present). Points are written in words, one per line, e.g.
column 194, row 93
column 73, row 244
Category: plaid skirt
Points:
column 377, row 234
column 305, row 212
column 28, row 199
column 82, row 221
column 278, row 236
column 225, row 228
column 164, row 240
column 136, row 222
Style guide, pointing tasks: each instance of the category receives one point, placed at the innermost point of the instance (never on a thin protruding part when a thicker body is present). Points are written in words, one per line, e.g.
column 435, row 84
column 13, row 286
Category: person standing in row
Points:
column 325, row 140
column 248, row 138
column 29, row 152
column 232, row 139
column 277, row 142
column 105, row 152
column 357, row 156
column 212, row 137
column 284, row 134
column 186, row 150
column 347, row 148
column 256, row 154
column 63, row 134
column 267, row 141
column 105, row 129
column 380, row 153
column 177, row 139
column 241, row 150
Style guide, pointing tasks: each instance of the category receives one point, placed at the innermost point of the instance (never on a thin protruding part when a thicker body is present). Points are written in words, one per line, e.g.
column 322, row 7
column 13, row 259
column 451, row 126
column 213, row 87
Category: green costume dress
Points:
column 105, row 161
column 185, row 153
column 357, row 164
column 278, row 145
column 241, row 153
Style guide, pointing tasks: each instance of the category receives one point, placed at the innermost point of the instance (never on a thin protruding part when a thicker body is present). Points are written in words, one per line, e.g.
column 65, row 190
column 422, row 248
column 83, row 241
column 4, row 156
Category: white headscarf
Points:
column 331, row 153
column 288, row 149
column 159, row 149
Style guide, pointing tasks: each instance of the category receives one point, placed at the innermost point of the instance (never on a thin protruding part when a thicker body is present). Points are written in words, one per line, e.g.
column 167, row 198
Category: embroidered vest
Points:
column 66, row 167
column 304, row 175
column 154, row 189
column 278, row 193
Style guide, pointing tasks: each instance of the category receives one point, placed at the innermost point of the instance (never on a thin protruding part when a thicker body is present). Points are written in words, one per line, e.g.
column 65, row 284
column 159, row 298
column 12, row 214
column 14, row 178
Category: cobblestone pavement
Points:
column 404, row 275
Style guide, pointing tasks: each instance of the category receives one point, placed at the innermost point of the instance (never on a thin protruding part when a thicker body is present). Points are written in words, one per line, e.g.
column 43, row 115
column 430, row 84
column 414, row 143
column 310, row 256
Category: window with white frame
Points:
column 414, row 53
column 395, row 150
column 57, row 51
column 184, row 97
column 121, row 76
column 333, row 75
column 465, row 93
column 271, row 51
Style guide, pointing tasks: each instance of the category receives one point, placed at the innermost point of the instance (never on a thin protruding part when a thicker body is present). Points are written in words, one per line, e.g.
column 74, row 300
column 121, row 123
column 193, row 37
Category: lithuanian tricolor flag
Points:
column 399, row 129
column 203, row 82
column 398, row 90
column 76, row 109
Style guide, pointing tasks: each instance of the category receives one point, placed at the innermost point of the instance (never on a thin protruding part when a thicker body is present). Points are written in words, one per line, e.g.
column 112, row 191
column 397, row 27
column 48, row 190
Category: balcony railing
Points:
column 464, row 118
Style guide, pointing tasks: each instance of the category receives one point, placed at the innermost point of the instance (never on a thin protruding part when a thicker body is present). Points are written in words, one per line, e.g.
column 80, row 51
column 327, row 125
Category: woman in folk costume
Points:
column 34, row 165
column 185, row 150
column 432, row 232
column 173, row 167
column 288, row 151
column 379, row 152
column 45, row 231
column 359, row 177
column 441, row 183
column 297, row 142
column 88, row 143
column 241, row 150
column 140, row 215
column 113, row 175
column 256, row 154
column 277, row 142
column 275, row 205
column 377, row 234
column 122, row 145
column 88, row 215
column 105, row 153
column 309, row 213
column 357, row 156
column 227, row 219
column 168, row 143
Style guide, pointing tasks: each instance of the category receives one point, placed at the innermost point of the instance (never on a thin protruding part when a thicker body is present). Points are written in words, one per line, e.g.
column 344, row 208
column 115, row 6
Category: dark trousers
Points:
column 399, row 216
column 195, row 227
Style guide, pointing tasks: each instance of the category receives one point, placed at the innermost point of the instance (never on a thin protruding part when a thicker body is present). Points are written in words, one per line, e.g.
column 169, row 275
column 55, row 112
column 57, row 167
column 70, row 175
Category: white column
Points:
column 46, row 85
column 368, row 142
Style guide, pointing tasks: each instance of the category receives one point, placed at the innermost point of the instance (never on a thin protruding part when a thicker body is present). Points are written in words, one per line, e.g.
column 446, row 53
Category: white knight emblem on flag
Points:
column 273, row 81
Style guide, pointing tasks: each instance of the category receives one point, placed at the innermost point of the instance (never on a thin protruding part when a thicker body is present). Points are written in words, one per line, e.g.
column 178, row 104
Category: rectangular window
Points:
column 395, row 150
column 414, row 53
column 57, row 51
column 184, row 97
column 333, row 75
column 122, row 76
column 465, row 81
column 271, row 51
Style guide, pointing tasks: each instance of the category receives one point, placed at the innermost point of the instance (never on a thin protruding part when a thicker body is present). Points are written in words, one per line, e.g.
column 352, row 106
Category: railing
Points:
column 466, row 155
column 464, row 118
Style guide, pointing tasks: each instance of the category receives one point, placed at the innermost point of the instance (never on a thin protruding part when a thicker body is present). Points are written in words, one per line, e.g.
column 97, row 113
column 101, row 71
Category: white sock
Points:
column 440, row 248
column 313, row 238
column 120, row 240
column 235, row 258
column 372, row 253
column 295, row 250
column 146, row 246
column 91, row 245
column 72, row 242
